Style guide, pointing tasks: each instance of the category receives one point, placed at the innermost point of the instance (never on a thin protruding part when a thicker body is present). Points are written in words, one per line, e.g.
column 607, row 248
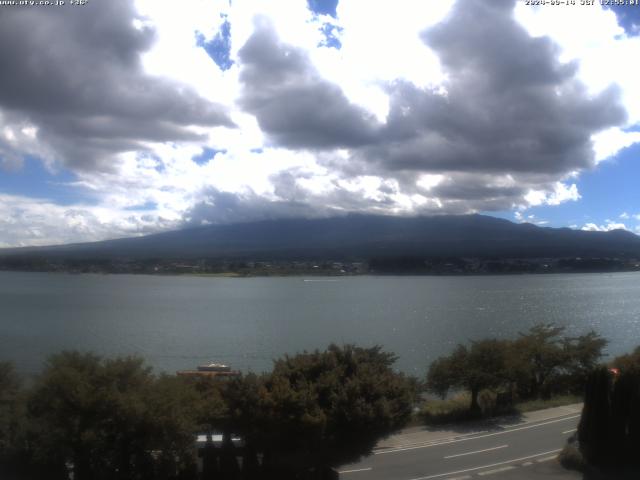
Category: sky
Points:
column 128, row 117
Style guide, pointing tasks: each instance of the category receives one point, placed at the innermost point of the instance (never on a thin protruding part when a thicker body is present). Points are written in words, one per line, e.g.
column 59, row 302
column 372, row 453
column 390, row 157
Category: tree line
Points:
column 539, row 363
column 115, row 419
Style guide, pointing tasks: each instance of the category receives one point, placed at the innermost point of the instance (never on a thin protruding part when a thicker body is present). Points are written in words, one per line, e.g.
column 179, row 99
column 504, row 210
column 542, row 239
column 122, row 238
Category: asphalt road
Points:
column 497, row 451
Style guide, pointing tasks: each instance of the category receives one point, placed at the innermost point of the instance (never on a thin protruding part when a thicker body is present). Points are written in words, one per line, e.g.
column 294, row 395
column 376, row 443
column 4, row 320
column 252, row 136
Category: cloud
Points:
column 611, row 141
column 607, row 227
column 509, row 104
column 293, row 104
column 455, row 107
column 27, row 221
column 506, row 127
column 600, row 48
column 76, row 77
column 220, row 207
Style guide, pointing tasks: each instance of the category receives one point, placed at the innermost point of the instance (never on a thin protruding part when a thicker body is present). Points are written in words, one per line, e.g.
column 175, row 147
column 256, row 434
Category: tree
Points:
column 111, row 418
column 480, row 366
column 539, row 354
column 170, row 421
column 609, row 429
column 247, row 401
column 9, row 409
column 594, row 429
column 582, row 356
column 323, row 409
column 629, row 361
column 13, row 426
column 444, row 372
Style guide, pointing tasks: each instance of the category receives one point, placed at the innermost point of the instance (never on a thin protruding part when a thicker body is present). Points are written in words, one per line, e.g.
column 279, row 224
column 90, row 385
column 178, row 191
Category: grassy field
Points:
column 456, row 408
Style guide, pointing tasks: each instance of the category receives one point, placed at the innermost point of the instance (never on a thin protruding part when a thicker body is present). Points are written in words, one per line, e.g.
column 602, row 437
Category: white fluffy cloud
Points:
column 411, row 115
column 606, row 227
column 28, row 221
column 602, row 51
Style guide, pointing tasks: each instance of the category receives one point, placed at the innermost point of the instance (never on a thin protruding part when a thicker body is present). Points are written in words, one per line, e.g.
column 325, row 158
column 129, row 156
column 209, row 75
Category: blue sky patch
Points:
column 628, row 18
column 324, row 7
column 600, row 202
column 147, row 207
column 206, row 155
column 219, row 47
column 33, row 179
column 330, row 39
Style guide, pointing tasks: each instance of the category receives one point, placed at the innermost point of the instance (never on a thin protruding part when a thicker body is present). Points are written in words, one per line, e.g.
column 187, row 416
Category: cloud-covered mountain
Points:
column 356, row 237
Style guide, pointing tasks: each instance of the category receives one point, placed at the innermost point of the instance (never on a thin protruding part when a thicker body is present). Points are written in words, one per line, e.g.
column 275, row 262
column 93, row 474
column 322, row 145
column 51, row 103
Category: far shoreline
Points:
column 304, row 275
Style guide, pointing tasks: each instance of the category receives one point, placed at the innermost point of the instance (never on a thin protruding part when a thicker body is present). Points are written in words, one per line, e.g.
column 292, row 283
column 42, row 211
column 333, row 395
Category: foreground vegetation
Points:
column 607, row 444
column 539, row 364
column 115, row 419
column 455, row 409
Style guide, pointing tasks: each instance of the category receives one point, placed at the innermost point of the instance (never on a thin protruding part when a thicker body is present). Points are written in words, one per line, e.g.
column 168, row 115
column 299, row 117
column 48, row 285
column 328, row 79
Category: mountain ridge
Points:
column 354, row 236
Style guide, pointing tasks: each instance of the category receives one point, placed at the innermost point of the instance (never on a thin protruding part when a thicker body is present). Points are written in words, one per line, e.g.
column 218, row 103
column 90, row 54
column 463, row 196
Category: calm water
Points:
column 179, row 322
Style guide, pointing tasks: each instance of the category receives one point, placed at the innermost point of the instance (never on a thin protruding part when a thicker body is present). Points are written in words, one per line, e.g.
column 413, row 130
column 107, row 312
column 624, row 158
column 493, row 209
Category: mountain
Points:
column 354, row 237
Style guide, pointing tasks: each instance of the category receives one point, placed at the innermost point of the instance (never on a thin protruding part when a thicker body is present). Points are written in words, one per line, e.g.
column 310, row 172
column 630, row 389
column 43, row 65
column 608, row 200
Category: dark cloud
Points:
column 290, row 200
column 336, row 200
column 76, row 74
column 293, row 104
column 509, row 105
column 219, row 207
column 478, row 187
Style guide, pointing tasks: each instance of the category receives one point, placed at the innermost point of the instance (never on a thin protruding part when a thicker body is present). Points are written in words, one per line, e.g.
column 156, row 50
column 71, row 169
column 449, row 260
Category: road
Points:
column 478, row 454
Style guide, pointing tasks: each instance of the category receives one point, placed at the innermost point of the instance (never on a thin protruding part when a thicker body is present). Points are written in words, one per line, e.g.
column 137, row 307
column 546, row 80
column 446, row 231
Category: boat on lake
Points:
column 210, row 370
column 214, row 367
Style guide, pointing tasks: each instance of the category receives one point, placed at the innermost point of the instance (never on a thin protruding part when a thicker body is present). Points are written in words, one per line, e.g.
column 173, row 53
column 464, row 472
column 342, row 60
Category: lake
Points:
column 178, row 322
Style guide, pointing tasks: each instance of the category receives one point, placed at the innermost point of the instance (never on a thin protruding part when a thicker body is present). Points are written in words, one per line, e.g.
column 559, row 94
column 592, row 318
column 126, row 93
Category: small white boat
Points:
column 214, row 367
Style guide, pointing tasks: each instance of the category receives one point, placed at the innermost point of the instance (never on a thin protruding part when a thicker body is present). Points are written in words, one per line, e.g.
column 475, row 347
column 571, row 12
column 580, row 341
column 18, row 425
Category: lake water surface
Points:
column 177, row 322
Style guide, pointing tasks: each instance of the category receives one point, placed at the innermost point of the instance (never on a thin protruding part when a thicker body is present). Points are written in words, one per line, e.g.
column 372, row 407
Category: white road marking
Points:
column 383, row 452
column 496, row 470
column 526, row 464
column 569, row 431
column 486, row 466
column 477, row 451
column 355, row 470
column 466, row 477
column 439, row 441
column 546, row 459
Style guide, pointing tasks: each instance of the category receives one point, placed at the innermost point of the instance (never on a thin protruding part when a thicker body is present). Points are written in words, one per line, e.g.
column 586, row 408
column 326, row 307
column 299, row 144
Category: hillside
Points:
column 354, row 237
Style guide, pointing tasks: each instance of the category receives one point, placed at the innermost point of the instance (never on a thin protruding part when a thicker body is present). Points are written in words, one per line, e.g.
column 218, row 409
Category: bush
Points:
column 609, row 429
column 571, row 458
column 539, row 364
column 456, row 409
column 558, row 401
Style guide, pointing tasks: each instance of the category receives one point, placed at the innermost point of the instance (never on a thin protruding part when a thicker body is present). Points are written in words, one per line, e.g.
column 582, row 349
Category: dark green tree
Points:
column 582, row 355
column 595, row 427
column 111, row 418
column 322, row 409
column 248, row 408
column 10, row 409
column 170, row 421
column 445, row 372
column 481, row 365
column 538, row 356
